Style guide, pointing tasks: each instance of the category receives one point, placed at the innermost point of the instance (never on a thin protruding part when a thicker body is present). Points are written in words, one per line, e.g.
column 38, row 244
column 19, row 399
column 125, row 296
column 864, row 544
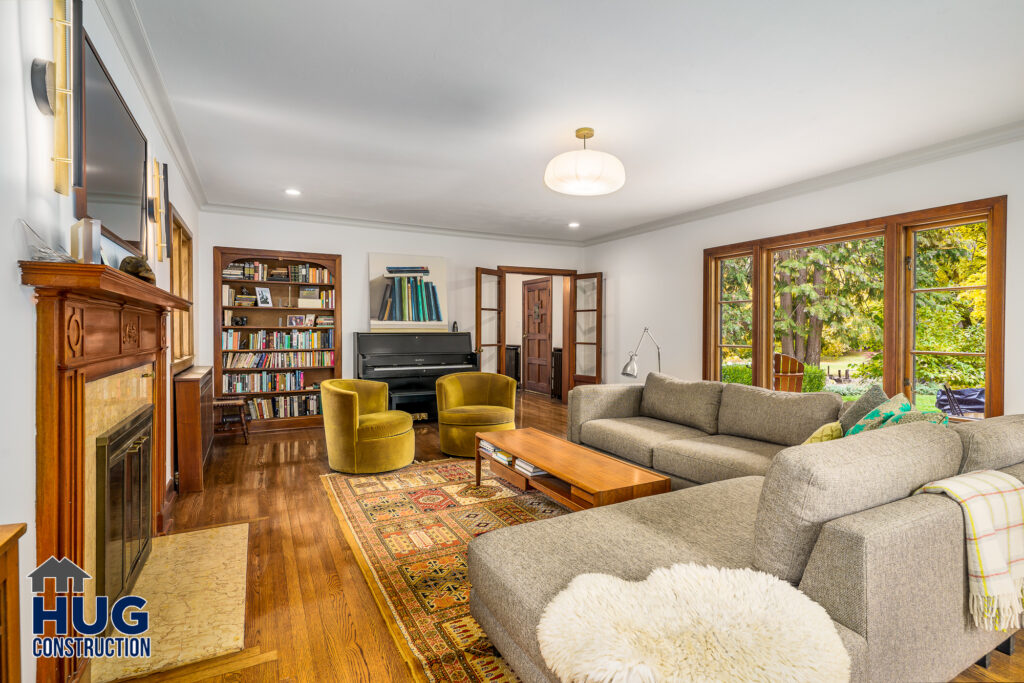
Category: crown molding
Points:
column 232, row 210
column 125, row 24
column 993, row 137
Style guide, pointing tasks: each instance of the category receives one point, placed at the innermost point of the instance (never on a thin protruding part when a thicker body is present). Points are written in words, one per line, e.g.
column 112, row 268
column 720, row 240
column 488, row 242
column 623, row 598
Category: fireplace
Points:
column 101, row 357
column 123, row 502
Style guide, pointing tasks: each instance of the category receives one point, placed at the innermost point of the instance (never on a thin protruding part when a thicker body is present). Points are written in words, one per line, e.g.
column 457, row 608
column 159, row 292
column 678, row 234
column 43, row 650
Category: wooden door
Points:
column 586, row 318
column 537, row 335
column 490, row 319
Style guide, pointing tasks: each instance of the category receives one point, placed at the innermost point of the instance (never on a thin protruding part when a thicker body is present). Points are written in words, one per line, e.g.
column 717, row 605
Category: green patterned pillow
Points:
column 917, row 416
column 879, row 416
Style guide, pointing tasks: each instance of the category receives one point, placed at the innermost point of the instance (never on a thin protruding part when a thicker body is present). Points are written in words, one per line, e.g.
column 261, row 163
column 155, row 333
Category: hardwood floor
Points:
column 309, row 613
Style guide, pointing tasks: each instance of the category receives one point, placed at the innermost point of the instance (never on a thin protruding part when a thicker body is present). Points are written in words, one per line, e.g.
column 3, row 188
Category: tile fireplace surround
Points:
column 98, row 332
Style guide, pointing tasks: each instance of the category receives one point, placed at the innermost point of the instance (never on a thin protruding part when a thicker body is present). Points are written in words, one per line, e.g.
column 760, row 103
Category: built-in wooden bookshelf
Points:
column 290, row 393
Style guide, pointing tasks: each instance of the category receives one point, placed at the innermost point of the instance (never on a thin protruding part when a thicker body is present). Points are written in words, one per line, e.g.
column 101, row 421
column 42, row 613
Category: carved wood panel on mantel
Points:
column 91, row 321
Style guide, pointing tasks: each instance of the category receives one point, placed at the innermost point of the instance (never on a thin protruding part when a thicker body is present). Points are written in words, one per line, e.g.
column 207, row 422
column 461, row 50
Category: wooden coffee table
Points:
column 577, row 477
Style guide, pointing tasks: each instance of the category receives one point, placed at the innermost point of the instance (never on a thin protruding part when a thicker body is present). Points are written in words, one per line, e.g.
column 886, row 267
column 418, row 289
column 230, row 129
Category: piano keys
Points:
column 411, row 362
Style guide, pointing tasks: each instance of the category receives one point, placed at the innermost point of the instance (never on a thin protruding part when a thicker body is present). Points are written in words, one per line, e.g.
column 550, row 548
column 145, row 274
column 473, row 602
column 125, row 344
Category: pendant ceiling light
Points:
column 585, row 172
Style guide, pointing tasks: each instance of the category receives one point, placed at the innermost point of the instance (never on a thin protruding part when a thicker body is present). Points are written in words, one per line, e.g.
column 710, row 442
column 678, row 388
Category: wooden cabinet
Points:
column 193, row 425
column 10, row 578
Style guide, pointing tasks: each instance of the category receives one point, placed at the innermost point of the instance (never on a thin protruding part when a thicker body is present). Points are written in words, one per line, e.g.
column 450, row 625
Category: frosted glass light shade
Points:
column 585, row 172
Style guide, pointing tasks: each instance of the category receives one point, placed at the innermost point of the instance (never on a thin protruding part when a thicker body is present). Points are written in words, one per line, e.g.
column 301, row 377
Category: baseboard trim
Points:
column 164, row 519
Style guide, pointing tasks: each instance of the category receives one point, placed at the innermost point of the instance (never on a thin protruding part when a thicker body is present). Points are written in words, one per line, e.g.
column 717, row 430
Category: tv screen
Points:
column 115, row 155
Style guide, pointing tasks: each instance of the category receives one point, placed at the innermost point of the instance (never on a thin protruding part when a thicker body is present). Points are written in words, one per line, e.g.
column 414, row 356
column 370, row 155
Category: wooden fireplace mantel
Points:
column 99, row 281
column 92, row 321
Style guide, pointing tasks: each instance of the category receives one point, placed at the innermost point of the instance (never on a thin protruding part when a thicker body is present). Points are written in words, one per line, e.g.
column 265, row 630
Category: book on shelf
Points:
column 313, row 297
column 528, row 469
column 407, row 270
column 262, row 340
column 256, row 270
column 271, row 360
column 250, row 382
column 265, row 408
column 409, row 299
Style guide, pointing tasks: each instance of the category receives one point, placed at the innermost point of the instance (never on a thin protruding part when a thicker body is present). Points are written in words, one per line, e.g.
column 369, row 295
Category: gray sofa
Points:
column 835, row 519
column 696, row 432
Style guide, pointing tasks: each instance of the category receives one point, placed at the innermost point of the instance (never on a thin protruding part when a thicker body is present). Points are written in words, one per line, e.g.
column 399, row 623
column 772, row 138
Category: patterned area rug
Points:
column 409, row 529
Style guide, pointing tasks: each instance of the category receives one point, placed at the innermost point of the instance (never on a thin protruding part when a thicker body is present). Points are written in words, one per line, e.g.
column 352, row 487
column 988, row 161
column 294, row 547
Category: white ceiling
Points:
column 445, row 113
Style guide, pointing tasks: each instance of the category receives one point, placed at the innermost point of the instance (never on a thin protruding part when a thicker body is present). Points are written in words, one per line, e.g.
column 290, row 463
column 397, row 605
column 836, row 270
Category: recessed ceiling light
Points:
column 292, row 192
column 574, row 224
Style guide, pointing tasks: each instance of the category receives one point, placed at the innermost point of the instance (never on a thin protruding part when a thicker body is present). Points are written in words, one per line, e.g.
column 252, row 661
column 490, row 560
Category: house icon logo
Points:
column 60, row 623
column 62, row 572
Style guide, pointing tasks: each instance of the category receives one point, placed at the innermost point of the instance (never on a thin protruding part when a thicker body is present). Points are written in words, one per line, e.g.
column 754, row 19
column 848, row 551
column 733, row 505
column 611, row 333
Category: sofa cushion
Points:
column 807, row 486
column 477, row 415
column 516, row 571
column 991, row 444
column 713, row 458
column 694, row 404
column 870, row 399
column 775, row 416
column 633, row 438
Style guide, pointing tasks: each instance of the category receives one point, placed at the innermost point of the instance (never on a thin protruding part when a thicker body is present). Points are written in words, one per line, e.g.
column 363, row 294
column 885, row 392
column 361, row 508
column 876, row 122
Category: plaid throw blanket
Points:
column 993, row 506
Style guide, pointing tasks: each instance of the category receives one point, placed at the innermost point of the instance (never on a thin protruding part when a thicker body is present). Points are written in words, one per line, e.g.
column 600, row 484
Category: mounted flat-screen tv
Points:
column 114, row 154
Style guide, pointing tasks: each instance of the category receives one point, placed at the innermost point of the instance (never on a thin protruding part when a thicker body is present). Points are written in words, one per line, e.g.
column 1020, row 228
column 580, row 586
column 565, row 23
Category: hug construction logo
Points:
column 73, row 635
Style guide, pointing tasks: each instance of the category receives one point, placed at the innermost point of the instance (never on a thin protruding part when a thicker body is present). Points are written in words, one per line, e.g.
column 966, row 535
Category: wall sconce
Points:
column 52, row 94
column 156, row 209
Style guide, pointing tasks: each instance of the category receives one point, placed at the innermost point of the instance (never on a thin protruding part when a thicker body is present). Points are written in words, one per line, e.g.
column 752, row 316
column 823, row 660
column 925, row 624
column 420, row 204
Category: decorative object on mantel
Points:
column 630, row 368
column 585, row 172
column 690, row 622
column 38, row 249
column 85, row 241
column 137, row 266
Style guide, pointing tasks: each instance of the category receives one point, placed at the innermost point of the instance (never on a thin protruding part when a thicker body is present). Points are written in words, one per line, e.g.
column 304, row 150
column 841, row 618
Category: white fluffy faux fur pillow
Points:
column 689, row 623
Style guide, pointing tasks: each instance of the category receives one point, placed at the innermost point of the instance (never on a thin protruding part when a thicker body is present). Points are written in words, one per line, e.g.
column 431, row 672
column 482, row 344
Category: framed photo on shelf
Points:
column 263, row 298
column 296, row 320
column 309, row 320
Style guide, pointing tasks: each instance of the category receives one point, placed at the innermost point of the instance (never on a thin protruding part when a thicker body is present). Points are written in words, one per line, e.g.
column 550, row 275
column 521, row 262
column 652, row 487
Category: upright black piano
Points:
column 411, row 362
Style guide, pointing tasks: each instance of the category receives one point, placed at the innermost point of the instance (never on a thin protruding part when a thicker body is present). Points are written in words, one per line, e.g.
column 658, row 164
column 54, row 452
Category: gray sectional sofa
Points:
column 696, row 432
column 836, row 519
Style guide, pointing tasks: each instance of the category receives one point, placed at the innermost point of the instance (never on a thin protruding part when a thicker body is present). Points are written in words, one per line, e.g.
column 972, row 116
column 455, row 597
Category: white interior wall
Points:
column 656, row 279
column 26, row 191
column 354, row 243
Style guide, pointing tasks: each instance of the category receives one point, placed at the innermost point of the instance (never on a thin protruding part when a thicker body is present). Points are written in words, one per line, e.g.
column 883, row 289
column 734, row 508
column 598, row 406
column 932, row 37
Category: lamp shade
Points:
column 585, row 172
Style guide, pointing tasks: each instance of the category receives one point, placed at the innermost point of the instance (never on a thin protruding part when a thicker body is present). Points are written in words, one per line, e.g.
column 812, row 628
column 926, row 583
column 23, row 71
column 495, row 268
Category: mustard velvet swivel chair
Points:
column 363, row 436
column 471, row 402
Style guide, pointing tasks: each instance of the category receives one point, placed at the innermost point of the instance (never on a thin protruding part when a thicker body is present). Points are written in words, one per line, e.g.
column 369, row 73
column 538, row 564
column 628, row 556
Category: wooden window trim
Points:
column 894, row 229
column 187, row 360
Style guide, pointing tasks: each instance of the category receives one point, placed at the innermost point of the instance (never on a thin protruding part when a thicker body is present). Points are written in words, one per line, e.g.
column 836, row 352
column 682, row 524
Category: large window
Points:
column 182, row 333
column 734, row 308
column 829, row 312
column 913, row 302
column 948, row 298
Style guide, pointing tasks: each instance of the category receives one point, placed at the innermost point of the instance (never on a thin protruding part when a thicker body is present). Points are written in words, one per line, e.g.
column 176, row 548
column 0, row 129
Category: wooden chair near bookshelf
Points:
column 277, row 332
